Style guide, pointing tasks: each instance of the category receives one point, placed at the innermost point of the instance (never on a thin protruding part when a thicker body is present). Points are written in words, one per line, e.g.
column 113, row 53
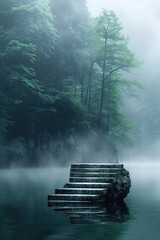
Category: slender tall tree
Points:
column 116, row 58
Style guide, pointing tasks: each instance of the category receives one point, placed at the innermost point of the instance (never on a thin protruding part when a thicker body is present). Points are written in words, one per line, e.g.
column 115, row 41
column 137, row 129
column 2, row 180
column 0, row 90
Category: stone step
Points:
column 74, row 197
column 80, row 191
column 91, row 179
column 95, row 170
column 87, row 185
column 85, row 174
column 96, row 165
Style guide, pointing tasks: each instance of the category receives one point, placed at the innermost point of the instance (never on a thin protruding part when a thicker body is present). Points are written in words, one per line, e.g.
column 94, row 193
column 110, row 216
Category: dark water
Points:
column 24, row 213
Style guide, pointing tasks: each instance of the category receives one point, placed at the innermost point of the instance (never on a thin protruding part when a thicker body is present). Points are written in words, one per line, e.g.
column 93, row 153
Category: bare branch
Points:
column 115, row 70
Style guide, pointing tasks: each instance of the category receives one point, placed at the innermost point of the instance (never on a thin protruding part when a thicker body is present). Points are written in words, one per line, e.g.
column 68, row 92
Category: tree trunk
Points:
column 83, row 68
column 108, row 107
column 89, row 87
column 103, row 82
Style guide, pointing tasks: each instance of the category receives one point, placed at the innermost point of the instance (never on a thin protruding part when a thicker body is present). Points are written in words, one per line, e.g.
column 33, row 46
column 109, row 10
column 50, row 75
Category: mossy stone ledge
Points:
column 119, row 188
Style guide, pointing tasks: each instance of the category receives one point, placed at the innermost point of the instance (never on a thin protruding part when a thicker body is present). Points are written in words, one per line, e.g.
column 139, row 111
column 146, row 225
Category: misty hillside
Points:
column 67, row 84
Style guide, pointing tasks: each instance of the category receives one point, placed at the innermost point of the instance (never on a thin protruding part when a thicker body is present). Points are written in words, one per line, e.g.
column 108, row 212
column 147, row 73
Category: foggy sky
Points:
column 141, row 22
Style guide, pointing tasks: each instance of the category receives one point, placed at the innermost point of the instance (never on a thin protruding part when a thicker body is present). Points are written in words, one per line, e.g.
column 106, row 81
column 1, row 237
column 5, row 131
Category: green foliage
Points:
column 62, row 73
column 71, row 25
column 71, row 115
column 31, row 34
column 38, row 27
column 115, row 60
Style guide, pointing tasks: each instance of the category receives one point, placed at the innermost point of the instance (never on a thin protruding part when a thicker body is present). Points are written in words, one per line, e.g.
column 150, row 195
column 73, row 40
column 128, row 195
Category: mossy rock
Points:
column 120, row 187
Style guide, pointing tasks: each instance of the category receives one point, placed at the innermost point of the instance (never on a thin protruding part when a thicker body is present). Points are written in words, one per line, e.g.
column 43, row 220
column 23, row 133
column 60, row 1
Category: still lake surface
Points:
column 24, row 212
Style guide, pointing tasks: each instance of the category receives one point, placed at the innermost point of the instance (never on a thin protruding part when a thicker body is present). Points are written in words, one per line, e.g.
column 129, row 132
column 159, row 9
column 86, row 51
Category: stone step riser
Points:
column 95, row 170
column 79, row 191
column 83, row 175
column 73, row 198
column 101, row 180
column 88, row 185
column 97, row 166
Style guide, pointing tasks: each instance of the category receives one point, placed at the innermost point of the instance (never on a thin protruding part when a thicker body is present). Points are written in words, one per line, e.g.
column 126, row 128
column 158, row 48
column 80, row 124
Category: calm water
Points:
column 24, row 213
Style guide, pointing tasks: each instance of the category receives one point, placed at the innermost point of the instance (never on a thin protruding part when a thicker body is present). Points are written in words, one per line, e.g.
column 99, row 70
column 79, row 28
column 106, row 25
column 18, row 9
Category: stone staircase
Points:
column 81, row 199
column 88, row 182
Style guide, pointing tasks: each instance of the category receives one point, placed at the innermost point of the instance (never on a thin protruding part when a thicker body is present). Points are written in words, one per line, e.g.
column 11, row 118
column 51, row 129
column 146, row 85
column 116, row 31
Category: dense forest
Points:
column 63, row 78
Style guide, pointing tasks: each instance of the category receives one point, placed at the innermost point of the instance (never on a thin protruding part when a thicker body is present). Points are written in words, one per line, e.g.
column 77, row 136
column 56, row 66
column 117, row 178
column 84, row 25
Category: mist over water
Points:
column 24, row 213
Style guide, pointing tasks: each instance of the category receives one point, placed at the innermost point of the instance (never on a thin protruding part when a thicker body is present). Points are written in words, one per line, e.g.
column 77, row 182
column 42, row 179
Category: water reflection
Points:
column 24, row 213
column 89, row 213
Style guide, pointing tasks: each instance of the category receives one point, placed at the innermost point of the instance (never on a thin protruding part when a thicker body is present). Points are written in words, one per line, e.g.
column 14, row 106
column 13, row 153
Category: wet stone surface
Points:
column 95, row 192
